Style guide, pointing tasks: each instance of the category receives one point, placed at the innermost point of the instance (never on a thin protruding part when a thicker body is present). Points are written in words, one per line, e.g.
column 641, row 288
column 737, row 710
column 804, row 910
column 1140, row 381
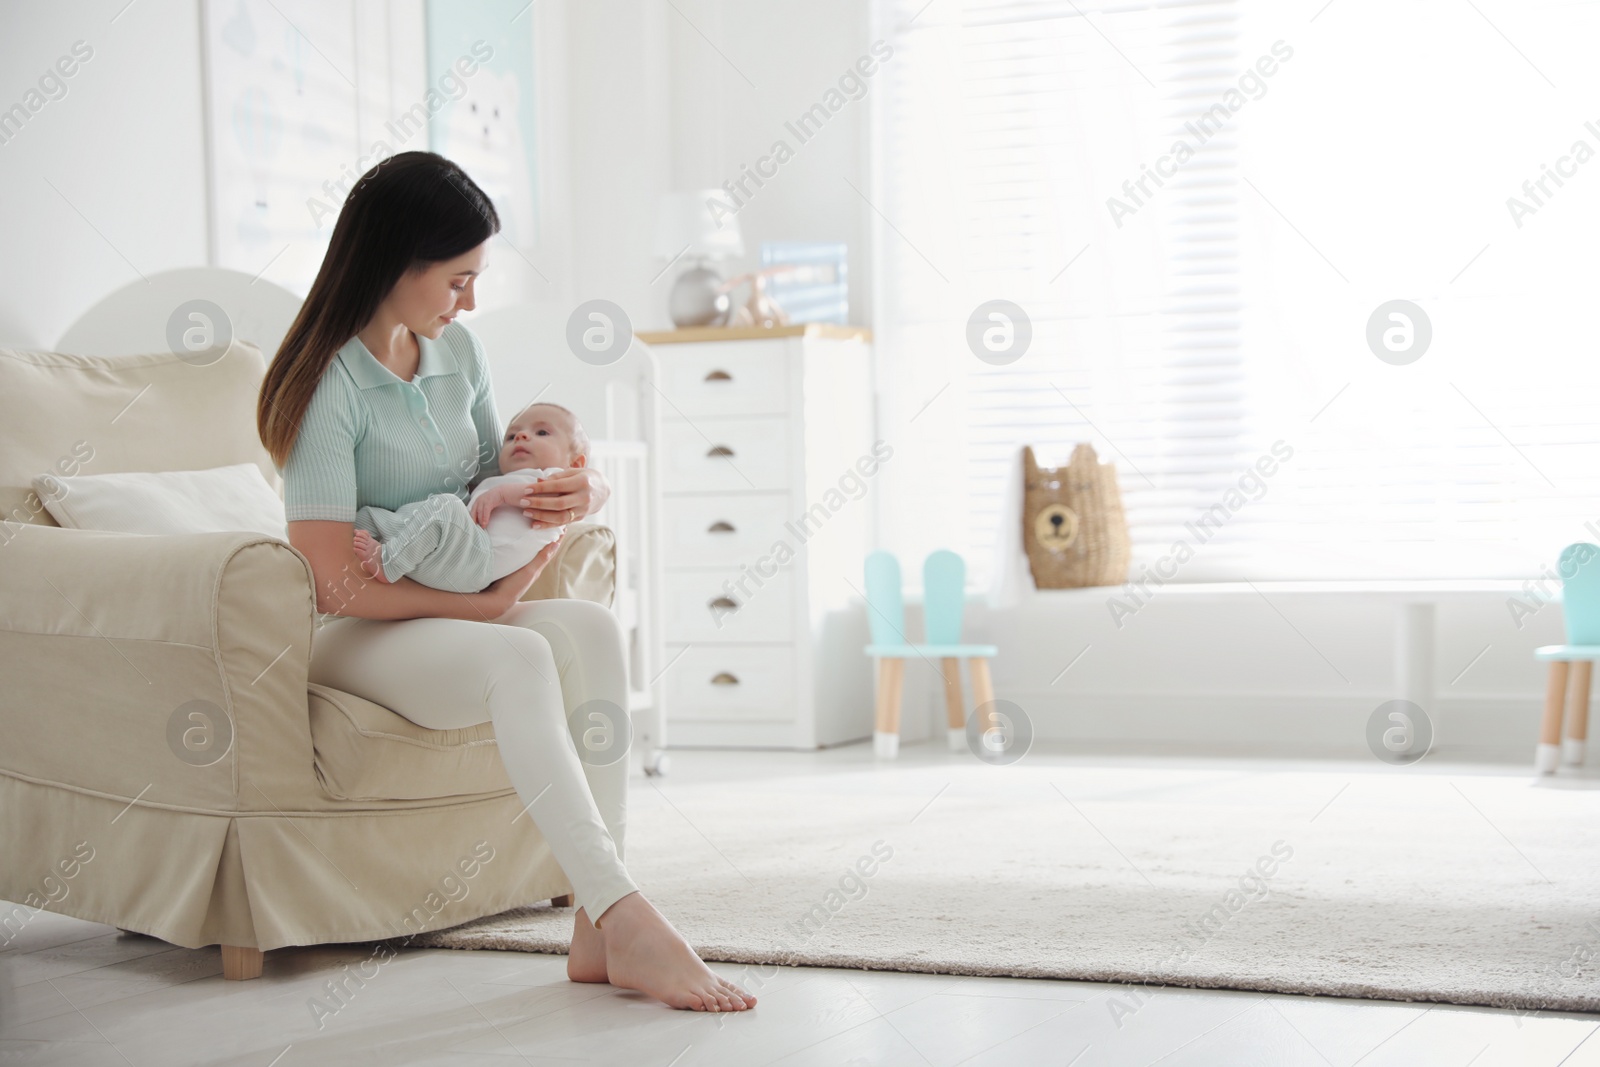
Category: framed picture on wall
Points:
column 490, row 129
column 281, row 121
column 818, row 288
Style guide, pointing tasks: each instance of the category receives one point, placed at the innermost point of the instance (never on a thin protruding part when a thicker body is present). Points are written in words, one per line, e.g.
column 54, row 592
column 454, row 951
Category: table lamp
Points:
column 687, row 229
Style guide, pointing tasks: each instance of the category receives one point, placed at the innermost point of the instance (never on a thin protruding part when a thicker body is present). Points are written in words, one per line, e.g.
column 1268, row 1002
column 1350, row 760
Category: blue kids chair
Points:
column 1571, row 664
column 944, row 577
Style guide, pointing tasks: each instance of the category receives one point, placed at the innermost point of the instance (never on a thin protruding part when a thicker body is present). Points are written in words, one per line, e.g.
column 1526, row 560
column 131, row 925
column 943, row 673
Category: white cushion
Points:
column 235, row 497
column 76, row 415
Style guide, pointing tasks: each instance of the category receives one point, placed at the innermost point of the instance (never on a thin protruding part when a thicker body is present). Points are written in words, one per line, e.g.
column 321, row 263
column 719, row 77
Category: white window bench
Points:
column 1414, row 603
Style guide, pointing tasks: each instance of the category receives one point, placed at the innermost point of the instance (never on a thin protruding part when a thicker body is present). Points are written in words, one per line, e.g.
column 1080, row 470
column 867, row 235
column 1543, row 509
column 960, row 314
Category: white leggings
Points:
column 526, row 672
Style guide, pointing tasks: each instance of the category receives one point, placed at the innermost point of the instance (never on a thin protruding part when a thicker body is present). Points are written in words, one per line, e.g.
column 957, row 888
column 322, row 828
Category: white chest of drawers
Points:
column 768, row 462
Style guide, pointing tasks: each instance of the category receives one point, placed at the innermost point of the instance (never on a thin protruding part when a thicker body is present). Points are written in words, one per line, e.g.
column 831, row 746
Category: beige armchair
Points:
column 166, row 766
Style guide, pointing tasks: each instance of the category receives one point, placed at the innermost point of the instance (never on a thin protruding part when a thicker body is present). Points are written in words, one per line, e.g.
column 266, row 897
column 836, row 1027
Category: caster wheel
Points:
column 656, row 764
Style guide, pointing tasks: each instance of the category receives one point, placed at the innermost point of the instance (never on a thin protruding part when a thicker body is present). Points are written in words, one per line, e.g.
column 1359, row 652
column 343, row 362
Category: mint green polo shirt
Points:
column 369, row 438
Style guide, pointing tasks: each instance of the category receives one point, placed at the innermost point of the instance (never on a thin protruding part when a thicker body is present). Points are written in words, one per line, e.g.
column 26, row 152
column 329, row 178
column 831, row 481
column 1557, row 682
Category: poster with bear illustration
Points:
column 490, row 130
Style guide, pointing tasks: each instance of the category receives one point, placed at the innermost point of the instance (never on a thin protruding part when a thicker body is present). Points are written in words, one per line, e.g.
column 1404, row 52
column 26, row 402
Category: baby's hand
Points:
column 486, row 504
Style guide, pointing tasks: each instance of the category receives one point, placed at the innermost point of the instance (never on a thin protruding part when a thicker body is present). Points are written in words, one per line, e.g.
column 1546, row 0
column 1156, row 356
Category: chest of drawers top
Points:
column 738, row 372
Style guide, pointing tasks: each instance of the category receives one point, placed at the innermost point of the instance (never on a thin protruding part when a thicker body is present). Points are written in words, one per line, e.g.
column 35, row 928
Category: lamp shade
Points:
column 686, row 218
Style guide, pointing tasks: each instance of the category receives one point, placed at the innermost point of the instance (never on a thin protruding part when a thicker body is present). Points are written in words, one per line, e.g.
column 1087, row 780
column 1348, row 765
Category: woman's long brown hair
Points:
column 408, row 211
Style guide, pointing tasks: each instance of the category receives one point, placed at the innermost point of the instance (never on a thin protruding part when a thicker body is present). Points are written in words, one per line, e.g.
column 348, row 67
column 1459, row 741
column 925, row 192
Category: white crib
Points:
column 619, row 405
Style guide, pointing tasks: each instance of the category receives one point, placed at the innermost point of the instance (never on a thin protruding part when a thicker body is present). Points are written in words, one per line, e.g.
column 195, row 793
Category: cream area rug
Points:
column 1411, row 884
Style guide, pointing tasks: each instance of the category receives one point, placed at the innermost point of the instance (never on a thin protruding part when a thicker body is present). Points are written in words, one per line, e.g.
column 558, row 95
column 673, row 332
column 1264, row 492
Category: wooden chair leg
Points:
column 1577, row 713
column 881, row 721
column 1548, row 754
column 898, row 678
column 886, row 735
column 561, row 902
column 955, row 707
column 240, row 963
column 983, row 692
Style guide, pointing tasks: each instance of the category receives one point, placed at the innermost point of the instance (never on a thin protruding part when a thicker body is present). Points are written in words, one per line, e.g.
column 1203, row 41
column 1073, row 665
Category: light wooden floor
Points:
column 80, row 994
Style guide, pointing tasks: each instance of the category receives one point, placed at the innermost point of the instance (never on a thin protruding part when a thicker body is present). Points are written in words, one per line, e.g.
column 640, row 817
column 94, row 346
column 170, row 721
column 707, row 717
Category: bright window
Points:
column 1338, row 158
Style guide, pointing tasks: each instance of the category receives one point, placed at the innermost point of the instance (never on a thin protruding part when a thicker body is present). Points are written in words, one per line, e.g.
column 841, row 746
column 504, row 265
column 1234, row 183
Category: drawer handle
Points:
column 720, row 527
column 719, row 450
column 725, row 603
column 719, row 376
column 724, row 678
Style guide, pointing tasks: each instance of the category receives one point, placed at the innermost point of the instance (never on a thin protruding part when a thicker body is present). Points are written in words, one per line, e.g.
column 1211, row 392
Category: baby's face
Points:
column 540, row 436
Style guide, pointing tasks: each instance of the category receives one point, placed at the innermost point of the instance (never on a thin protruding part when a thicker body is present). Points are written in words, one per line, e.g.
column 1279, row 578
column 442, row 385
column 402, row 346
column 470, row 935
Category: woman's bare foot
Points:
column 370, row 550
column 586, row 960
column 644, row 952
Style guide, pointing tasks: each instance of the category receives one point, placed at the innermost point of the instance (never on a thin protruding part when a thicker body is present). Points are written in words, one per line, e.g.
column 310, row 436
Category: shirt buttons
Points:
column 422, row 422
column 438, row 448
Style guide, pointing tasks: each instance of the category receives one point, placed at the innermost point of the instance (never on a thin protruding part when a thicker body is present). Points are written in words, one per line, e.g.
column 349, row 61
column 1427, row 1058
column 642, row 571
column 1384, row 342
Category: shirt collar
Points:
column 369, row 373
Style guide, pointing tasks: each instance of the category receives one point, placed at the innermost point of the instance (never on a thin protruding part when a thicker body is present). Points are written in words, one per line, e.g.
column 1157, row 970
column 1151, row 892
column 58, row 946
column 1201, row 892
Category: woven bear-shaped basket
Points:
column 1073, row 525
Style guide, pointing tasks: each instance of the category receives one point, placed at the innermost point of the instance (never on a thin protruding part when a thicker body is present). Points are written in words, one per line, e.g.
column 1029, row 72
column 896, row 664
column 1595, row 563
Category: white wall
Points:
column 678, row 97
column 619, row 136
column 637, row 102
column 123, row 148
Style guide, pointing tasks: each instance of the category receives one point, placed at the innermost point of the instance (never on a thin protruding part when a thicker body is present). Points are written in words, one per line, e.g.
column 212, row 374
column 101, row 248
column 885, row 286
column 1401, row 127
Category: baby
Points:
column 462, row 547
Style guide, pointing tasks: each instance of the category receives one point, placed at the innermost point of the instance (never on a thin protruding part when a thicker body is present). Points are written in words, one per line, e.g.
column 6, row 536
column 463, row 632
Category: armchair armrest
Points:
column 171, row 667
column 585, row 567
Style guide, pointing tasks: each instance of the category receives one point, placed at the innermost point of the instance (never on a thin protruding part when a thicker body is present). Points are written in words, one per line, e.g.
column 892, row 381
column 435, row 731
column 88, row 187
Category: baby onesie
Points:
column 434, row 541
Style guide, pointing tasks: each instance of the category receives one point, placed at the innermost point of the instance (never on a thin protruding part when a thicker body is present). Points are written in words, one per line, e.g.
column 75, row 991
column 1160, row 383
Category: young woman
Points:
column 376, row 399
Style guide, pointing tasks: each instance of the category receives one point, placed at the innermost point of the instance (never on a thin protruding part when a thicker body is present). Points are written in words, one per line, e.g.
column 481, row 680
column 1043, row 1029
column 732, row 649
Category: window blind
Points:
column 1216, row 323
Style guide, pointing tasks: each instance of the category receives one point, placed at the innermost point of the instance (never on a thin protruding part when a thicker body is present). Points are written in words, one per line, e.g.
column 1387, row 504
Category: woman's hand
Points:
column 565, row 497
column 501, row 595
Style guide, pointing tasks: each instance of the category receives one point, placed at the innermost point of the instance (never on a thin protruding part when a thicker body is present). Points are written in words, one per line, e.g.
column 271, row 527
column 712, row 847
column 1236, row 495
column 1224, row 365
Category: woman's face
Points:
column 426, row 300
